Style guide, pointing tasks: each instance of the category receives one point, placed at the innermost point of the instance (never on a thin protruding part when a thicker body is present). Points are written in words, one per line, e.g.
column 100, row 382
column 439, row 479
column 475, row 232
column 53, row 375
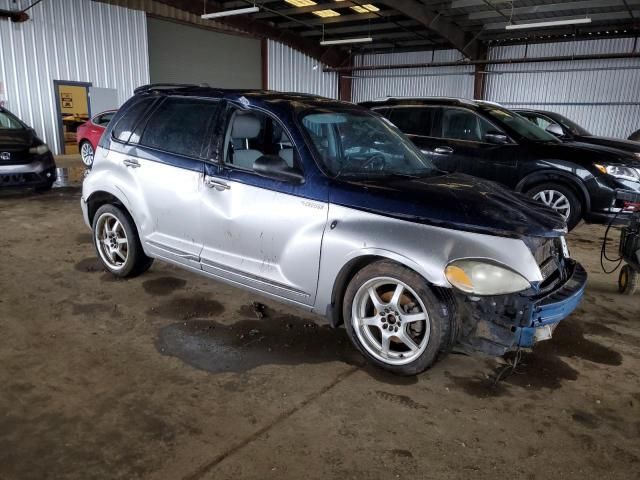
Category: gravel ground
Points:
column 172, row 376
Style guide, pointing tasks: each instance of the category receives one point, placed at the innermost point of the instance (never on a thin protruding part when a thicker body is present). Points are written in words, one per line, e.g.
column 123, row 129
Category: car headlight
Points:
column 39, row 150
column 619, row 171
column 480, row 277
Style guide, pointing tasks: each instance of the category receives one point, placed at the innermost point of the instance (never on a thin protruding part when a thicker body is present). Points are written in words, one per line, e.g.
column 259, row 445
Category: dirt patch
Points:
column 569, row 341
column 163, row 286
column 185, row 308
column 89, row 265
column 586, row 419
column 84, row 238
column 247, row 344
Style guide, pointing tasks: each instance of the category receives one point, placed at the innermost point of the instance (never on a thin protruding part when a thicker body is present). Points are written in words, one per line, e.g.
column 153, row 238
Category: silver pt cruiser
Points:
column 327, row 206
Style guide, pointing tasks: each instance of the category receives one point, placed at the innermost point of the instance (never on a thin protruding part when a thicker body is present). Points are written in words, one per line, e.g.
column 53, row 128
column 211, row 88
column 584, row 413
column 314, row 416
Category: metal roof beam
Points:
column 438, row 24
column 552, row 8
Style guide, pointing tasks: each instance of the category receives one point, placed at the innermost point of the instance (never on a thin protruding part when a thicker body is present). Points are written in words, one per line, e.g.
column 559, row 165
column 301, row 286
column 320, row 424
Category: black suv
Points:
column 578, row 180
column 568, row 130
column 25, row 160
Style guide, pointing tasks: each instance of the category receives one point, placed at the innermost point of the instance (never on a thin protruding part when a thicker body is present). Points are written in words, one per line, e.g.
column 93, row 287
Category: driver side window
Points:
column 251, row 135
column 462, row 124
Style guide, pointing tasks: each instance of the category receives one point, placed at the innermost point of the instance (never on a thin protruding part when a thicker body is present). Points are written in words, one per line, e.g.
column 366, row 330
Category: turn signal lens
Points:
column 458, row 278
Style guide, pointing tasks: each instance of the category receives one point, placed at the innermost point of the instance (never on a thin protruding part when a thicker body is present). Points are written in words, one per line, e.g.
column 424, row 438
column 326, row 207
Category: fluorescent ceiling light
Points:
column 228, row 13
column 301, row 3
column 346, row 40
column 550, row 23
column 365, row 8
column 326, row 13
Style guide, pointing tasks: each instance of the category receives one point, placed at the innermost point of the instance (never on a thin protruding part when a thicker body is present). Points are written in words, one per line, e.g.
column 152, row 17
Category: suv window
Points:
column 129, row 120
column 179, row 125
column 414, row 120
column 253, row 134
column 542, row 122
column 462, row 124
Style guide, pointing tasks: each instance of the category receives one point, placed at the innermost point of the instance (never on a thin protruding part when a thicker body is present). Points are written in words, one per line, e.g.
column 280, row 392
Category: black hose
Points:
column 603, row 251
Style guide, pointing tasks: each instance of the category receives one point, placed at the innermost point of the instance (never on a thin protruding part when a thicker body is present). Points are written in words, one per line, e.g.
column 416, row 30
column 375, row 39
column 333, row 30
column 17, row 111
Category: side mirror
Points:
column 272, row 166
column 555, row 129
column 497, row 138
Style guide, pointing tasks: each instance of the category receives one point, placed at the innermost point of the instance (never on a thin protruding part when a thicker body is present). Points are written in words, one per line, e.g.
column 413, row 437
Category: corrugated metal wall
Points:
column 292, row 71
column 74, row 40
column 441, row 81
column 601, row 95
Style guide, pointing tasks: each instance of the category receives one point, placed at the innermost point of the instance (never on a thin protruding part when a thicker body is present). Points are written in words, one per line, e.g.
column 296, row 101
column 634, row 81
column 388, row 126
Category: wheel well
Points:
column 99, row 199
column 580, row 192
column 341, row 283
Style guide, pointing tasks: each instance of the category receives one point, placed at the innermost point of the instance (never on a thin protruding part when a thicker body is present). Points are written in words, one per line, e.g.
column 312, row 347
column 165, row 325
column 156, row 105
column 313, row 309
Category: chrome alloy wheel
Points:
column 86, row 153
column 390, row 321
column 555, row 200
column 111, row 241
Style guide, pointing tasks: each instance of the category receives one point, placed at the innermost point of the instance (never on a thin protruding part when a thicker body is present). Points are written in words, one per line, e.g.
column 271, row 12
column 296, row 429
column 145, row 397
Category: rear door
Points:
column 166, row 155
column 258, row 231
column 462, row 132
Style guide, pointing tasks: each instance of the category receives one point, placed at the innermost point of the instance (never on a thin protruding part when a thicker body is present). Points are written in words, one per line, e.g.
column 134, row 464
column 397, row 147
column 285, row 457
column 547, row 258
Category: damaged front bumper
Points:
column 496, row 325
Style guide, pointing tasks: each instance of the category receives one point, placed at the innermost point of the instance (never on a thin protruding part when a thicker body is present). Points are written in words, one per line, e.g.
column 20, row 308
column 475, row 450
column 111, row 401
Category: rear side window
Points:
column 462, row 124
column 414, row 120
column 104, row 119
column 123, row 129
column 179, row 126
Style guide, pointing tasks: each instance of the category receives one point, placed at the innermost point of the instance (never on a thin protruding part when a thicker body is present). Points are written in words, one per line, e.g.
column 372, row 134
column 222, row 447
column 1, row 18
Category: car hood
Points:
column 617, row 143
column 453, row 201
column 16, row 139
column 583, row 153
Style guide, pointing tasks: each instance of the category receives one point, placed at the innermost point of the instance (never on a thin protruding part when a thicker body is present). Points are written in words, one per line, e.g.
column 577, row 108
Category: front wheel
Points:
column 117, row 243
column 560, row 198
column 394, row 319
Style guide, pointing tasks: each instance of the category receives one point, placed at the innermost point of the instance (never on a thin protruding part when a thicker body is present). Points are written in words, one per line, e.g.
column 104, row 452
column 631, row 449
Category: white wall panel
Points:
column 292, row 71
column 601, row 95
column 420, row 82
column 74, row 40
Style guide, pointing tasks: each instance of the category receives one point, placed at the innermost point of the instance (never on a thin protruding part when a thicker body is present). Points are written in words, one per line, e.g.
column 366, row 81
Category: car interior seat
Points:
column 245, row 127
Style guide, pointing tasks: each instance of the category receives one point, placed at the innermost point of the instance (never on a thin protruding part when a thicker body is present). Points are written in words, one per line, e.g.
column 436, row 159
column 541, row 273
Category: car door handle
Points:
column 131, row 163
column 443, row 150
column 217, row 184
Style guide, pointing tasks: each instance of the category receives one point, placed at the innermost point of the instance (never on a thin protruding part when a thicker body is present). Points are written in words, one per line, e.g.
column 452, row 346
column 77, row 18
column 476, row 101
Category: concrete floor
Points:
column 171, row 376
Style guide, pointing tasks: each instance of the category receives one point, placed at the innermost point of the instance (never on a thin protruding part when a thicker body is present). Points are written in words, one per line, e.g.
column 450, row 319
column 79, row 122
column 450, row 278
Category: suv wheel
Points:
column 560, row 198
column 117, row 243
column 394, row 319
column 86, row 153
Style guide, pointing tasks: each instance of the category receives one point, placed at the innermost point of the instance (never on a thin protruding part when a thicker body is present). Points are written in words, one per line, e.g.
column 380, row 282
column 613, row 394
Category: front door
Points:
column 258, row 231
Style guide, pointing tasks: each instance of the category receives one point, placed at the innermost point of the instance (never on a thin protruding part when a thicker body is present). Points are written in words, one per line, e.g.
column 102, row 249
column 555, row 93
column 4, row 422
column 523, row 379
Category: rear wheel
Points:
column 628, row 280
column 117, row 243
column 560, row 198
column 394, row 319
column 86, row 153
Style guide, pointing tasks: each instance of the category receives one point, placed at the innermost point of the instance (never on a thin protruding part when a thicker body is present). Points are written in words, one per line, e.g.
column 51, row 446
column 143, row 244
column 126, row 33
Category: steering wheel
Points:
column 372, row 159
column 365, row 165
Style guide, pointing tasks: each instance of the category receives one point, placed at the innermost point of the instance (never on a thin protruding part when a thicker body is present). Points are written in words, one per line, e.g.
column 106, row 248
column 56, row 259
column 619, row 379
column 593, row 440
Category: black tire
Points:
column 628, row 280
column 87, row 162
column 136, row 261
column 44, row 187
column 438, row 323
column 576, row 208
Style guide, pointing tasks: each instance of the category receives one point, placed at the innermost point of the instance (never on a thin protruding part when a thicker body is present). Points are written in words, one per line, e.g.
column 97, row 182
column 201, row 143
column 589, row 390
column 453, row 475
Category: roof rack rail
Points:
column 156, row 87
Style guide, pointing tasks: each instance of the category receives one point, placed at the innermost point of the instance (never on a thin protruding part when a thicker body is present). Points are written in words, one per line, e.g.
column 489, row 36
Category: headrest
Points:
column 245, row 126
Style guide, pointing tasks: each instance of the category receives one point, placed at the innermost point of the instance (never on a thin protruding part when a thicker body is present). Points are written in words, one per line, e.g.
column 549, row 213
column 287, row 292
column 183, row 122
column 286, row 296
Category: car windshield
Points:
column 9, row 122
column 519, row 125
column 570, row 125
column 353, row 143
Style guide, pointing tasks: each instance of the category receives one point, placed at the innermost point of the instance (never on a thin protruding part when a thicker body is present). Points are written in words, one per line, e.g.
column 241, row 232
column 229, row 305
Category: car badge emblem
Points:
column 5, row 156
column 244, row 101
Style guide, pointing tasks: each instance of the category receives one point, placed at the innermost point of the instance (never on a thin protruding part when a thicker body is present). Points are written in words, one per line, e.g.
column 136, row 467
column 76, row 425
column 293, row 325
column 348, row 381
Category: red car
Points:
column 88, row 135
